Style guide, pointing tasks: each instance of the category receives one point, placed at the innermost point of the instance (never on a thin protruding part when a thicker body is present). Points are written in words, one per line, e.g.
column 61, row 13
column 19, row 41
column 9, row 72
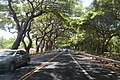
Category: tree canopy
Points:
column 54, row 23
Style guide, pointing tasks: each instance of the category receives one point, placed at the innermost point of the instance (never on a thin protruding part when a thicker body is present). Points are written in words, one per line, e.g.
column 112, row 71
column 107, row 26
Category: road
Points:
column 62, row 66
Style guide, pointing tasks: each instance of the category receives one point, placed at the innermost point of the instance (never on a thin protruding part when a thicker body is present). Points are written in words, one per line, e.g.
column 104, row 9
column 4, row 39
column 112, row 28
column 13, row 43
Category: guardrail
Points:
column 107, row 60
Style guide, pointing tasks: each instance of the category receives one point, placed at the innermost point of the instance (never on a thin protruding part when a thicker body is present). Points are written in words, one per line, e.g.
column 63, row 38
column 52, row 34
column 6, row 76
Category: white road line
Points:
column 83, row 70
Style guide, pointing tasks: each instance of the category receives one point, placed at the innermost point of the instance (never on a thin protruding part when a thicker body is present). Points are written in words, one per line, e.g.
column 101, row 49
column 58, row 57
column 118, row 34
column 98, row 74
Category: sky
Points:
column 8, row 35
column 86, row 2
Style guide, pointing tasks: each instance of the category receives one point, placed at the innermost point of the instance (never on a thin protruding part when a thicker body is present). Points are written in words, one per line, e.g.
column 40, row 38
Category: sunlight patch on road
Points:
column 51, row 65
column 55, row 76
column 35, row 62
column 112, row 72
column 118, row 76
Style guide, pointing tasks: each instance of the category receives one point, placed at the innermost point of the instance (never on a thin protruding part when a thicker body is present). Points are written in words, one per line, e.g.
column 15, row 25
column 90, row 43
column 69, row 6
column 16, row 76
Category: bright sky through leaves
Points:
column 7, row 35
column 86, row 3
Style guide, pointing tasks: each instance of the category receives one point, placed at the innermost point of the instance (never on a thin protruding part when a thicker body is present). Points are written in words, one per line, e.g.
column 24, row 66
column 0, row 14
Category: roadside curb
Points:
column 114, row 63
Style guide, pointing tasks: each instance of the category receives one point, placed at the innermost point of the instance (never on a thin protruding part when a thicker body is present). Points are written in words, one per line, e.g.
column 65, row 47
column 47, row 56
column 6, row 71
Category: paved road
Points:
column 62, row 66
column 97, row 69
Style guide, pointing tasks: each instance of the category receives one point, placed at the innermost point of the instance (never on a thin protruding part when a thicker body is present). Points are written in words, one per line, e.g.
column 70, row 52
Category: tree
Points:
column 114, row 45
column 23, row 12
column 46, row 29
column 2, row 42
column 6, row 43
column 101, row 24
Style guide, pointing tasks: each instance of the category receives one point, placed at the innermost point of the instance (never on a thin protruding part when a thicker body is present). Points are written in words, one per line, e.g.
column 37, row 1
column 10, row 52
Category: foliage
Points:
column 22, row 12
column 100, row 23
column 46, row 29
column 2, row 42
column 114, row 45
column 63, row 23
column 6, row 43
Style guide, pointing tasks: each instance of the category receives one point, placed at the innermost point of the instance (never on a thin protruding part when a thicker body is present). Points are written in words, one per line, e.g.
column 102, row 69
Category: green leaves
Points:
column 6, row 43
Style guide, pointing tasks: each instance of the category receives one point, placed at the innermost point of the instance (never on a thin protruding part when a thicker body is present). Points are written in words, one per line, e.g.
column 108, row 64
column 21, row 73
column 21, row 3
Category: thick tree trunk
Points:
column 50, row 45
column 27, row 47
column 102, row 48
column 16, row 44
column 38, row 45
column 43, row 45
column 20, row 34
column 37, row 48
column 46, row 45
column 22, row 24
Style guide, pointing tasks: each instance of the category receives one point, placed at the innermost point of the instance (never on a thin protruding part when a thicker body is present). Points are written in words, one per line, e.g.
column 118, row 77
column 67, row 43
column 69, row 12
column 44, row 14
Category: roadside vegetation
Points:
column 47, row 25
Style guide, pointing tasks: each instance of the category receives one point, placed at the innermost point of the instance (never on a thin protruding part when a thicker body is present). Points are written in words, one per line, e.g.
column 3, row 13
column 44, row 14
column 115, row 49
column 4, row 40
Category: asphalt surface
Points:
column 62, row 66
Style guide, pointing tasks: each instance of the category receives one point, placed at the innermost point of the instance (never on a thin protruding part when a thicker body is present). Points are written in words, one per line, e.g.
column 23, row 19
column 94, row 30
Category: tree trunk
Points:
column 43, row 45
column 16, row 44
column 50, row 45
column 37, row 48
column 27, row 47
column 46, row 45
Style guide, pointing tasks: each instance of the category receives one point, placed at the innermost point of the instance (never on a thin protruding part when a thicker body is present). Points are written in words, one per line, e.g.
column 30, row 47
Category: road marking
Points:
column 83, row 70
column 27, row 75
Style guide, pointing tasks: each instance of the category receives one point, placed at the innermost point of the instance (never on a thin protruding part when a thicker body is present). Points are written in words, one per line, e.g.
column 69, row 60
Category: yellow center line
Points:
column 27, row 75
